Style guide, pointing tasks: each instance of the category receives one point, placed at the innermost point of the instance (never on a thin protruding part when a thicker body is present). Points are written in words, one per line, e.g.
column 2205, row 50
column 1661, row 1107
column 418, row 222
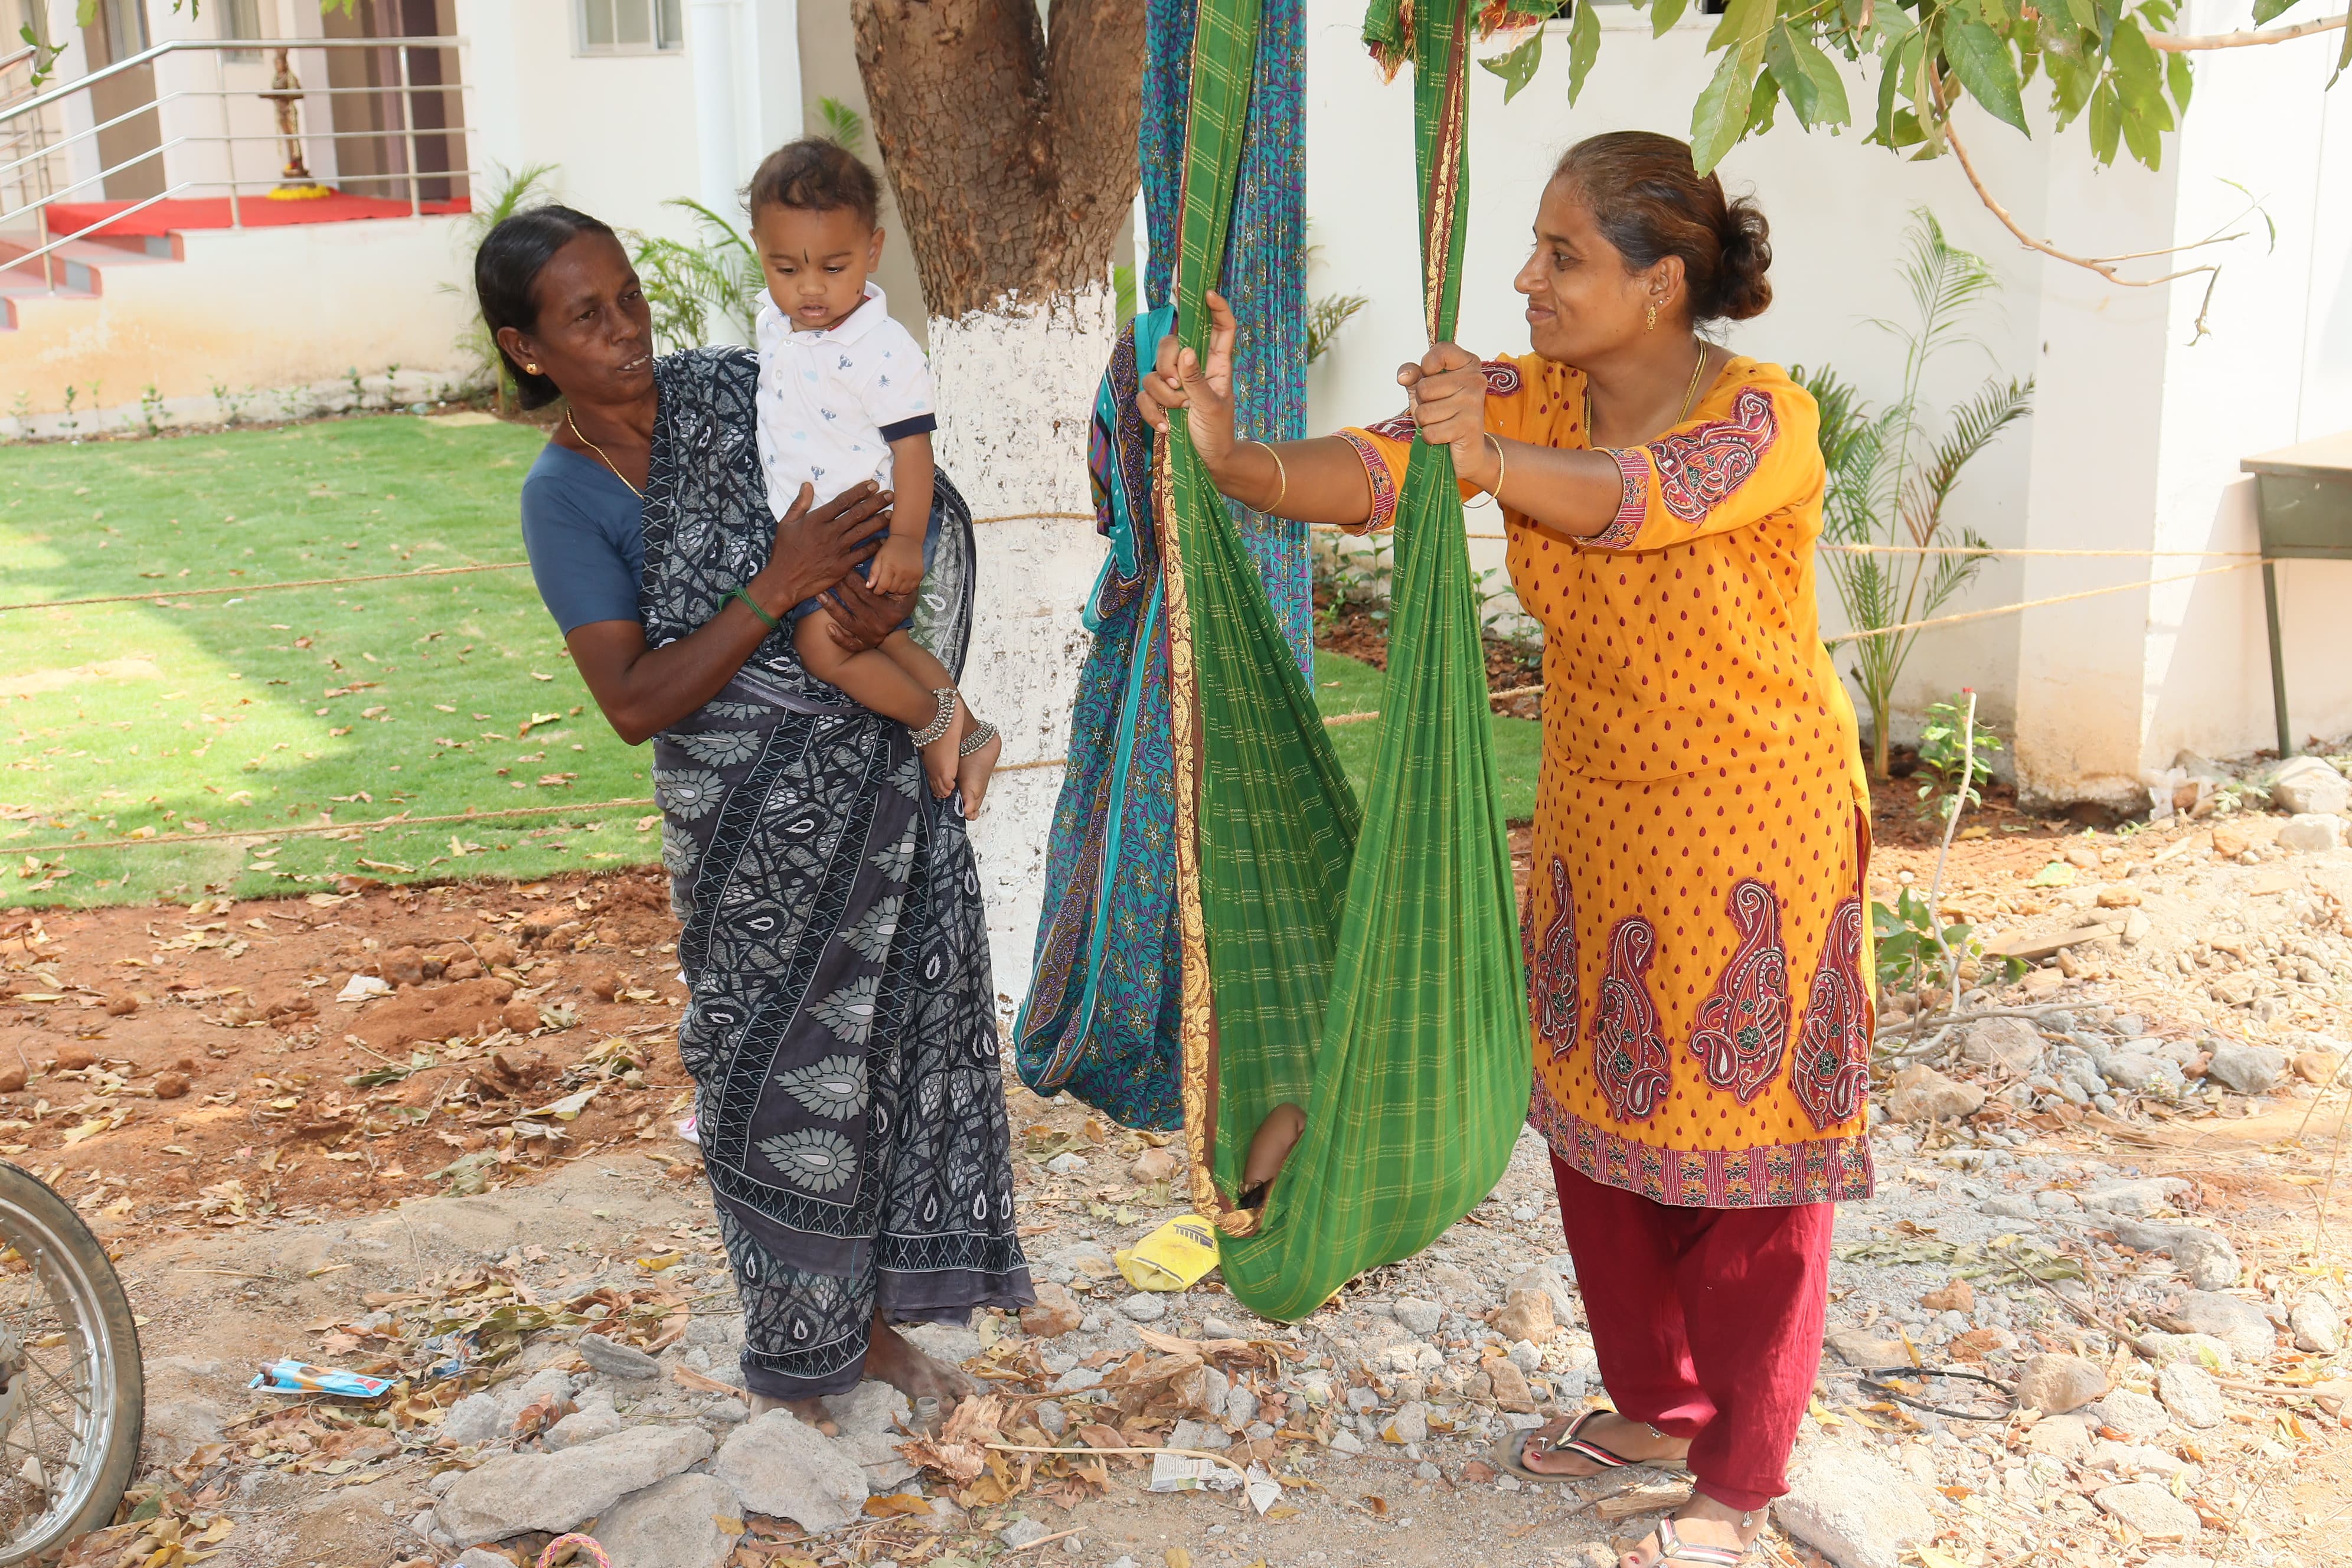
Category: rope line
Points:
column 1972, row 550
column 2032, row 604
column 312, row 829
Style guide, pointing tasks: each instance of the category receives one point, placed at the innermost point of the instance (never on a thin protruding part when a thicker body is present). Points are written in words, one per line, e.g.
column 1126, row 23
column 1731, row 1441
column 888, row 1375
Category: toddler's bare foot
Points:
column 1269, row 1149
column 940, row 755
column 809, row 1410
column 976, row 760
column 891, row 1358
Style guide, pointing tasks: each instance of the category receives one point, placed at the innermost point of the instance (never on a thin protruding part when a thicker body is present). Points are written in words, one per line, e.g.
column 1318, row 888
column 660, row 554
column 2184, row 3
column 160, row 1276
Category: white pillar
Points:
column 711, row 50
column 773, row 98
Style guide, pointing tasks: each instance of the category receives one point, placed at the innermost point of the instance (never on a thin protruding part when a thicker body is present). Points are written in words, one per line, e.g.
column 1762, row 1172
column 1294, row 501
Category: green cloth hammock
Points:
column 1359, row 963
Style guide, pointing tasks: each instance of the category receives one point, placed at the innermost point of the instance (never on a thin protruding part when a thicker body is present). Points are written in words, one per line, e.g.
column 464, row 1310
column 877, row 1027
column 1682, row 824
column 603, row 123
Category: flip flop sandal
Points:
column 1672, row 1549
column 1507, row 1453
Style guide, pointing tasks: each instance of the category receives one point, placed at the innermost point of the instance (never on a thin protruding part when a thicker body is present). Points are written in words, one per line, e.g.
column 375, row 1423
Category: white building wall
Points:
column 2137, row 436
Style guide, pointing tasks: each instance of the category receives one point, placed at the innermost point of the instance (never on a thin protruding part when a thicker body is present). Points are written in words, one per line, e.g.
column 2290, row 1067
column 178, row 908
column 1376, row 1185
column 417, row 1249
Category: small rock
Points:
column 481, row 1557
column 1409, row 1424
column 121, row 1005
column 1854, row 1507
column 2054, row 1384
column 1959, row 1296
column 1418, row 1316
column 1024, row 1533
column 1199, row 1434
column 616, row 1359
column 1510, row 1386
column 1527, row 1315
column 73, row 1059
column 2244, row 1327
column 2060, row 1436
column 1078, row 1380
column 2318, row 1065
column 1552, row 1283
column 178, row 1428
column 778, row 1464
column 13, row 1078
column 2119, row 896
column 1052, row 1417
column 2308, row 785
column 1241, row 1407
column 2318, row 1326
column 673, row 1523
column 171, row 1085
column 2192, row 1396
column 1212, row 1327
column 2133, row 1414
column 401, row 966
column 1144, row 1307
column 1066, row 1164
column 520, row 1016
column 2205, row 1257
column 476, row 1418
column 2245, row 1068
column 1347, row 1442
column 1920, row 1093
column 2005, row 1045
column 584, row 1425
column 2312, row 834
column 1055, row 1312
column 2137, row 1199
column 1856, row 1348
column 2151, row 1510
column 1155, row 1165
column 515, row 1492
column 2197, row 1349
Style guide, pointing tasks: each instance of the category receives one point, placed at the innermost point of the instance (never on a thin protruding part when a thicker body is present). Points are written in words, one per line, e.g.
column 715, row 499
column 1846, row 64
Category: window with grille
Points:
column 630, row 27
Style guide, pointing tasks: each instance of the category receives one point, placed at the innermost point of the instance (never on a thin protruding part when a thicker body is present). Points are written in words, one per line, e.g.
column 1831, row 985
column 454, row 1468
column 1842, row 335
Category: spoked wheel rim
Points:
column 57, row 1412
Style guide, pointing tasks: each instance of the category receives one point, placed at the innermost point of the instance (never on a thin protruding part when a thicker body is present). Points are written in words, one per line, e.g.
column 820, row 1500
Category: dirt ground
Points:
column 489, row 1150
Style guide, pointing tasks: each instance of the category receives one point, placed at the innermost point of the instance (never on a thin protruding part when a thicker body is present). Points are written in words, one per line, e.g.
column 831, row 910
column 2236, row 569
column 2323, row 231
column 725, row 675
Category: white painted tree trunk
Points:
column 1016, row 391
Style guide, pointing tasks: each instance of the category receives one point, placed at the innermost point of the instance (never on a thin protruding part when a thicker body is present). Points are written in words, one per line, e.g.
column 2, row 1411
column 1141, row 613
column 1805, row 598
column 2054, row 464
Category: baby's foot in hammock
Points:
column 1269, row 1149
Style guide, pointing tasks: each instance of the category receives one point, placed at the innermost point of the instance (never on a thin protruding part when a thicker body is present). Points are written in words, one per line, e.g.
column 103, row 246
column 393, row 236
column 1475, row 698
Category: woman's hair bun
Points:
column 1649, row 200
column 1741, row 290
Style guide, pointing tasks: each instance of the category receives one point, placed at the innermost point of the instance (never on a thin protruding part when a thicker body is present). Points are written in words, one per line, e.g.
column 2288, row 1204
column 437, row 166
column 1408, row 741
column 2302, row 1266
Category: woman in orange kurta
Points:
column 1696, row 937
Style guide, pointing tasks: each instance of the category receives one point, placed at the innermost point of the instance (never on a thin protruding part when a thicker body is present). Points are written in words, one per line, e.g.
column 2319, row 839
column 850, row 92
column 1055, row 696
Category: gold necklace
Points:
column 600, row 452
column 1690, row 394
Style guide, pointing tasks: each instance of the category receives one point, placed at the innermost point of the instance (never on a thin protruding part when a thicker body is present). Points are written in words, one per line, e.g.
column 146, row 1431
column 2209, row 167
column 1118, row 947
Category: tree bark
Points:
column 1011, row 145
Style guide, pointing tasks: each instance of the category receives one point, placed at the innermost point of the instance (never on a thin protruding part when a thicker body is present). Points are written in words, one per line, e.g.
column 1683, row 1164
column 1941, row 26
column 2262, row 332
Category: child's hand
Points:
column 898, row 565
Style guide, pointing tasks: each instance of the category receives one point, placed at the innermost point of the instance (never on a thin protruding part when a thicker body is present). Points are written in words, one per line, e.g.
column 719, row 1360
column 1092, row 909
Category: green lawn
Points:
column 346, row 704
column 1344, row 685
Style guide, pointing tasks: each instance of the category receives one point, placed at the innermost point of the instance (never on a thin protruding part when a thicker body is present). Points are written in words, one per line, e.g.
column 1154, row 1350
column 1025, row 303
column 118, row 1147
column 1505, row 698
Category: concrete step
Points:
column 77, row 267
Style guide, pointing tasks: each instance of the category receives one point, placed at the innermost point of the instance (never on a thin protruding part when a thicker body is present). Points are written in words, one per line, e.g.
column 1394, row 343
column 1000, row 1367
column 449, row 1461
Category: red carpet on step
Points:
column 213, row 212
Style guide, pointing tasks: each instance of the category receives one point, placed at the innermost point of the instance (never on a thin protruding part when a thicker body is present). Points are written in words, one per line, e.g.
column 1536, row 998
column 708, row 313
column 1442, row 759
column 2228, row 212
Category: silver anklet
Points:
column 980, row 735
column 945, row 696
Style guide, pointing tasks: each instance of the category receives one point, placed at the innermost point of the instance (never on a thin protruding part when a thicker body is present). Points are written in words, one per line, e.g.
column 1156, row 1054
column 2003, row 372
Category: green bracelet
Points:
column 751, row 604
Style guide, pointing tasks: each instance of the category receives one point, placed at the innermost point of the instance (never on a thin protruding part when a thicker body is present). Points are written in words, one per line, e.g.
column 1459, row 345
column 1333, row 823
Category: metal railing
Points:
column 25, row 124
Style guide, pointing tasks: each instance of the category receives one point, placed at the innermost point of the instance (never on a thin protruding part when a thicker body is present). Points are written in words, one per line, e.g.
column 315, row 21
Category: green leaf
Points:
column 2083, row 15
column 1761, row 104
column 2178, row 76
column 2343, row 57
column 2107, row 120
column 2145, row 136
column 1808, row 78
column 1721, row 115
column 1986, row 70
column 1583, row 47
column 1519, row 67
column 1664, row 14
column 2266, row 9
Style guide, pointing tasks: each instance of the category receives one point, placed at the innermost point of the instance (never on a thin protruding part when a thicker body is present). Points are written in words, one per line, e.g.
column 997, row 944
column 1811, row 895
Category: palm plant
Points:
column 697, row 288
column 1891, row 473
column 510, row 191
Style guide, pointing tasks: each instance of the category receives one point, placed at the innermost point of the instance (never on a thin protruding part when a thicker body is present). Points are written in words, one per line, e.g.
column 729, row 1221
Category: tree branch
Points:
column 2104, row 266
column 2171, row 44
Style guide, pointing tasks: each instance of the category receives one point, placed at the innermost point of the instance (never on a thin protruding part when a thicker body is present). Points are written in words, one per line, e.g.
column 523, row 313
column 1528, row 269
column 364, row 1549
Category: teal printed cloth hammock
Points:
column 1359, row 963
column 1099, row 1020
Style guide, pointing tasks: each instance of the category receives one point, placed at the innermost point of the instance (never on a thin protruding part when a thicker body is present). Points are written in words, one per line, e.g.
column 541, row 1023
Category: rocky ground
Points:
column 2104, row 1202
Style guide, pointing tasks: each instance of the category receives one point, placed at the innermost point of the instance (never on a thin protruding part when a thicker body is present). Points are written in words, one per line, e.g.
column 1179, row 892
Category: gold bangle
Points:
column 1280, row 473
column 1501, row 467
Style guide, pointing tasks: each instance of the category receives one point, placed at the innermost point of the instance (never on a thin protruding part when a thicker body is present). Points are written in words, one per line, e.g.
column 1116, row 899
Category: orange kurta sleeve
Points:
column 1752, row 455
column 1385, row 447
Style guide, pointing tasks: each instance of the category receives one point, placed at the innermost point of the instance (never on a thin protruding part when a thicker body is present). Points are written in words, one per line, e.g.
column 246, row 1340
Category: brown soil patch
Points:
column 185, row 1067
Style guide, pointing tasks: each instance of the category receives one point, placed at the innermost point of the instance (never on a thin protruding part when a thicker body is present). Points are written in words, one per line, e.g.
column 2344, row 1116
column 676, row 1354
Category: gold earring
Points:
column 532, row 369
column 1651, row 327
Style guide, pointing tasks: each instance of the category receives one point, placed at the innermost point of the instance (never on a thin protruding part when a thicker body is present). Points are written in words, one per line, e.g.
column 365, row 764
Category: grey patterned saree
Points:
column 841, row 1031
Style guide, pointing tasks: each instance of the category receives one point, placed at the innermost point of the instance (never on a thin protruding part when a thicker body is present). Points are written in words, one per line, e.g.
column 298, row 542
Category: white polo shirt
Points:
column 830, row 403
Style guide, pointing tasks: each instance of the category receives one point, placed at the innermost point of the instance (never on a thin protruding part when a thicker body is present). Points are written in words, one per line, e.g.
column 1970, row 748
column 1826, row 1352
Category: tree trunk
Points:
column 1010, row 146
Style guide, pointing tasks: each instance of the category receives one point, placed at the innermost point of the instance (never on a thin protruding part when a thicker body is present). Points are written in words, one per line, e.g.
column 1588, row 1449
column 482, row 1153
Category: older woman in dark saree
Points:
column 841, row 1032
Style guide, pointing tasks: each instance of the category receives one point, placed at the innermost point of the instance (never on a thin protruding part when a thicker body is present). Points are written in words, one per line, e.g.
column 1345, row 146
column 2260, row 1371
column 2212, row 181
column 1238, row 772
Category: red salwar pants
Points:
column 1707, row 1324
